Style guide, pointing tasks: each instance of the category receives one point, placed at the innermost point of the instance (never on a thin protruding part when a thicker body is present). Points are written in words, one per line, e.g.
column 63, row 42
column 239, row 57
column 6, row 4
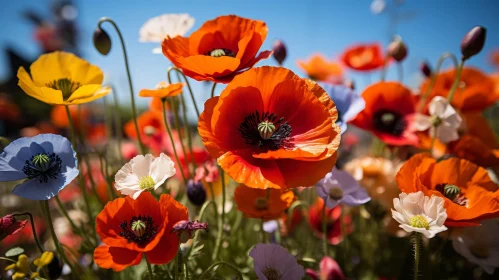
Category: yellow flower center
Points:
column 147, row 183
column 271, row 274
column 65, row 85
column 419, row 221
column 335, row 193
column 261, row 204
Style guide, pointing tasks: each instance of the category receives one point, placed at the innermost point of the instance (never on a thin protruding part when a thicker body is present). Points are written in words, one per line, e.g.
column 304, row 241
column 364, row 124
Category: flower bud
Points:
column 397, row 49
column 280, row 51
column 185, row 229
column 196, row 192
column 9, row 225
column 426, row 69
column 473, row 42
column 102, row 41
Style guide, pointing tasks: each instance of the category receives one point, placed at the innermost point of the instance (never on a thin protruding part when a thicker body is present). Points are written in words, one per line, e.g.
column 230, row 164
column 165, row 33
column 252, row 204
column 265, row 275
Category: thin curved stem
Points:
column 456, row 81
column 177, row 126
column 188, row 86
column 117, row 122
column 132, row 98
column 434, row 75
column 149, row 268
column 221, row 223
column 226, row 264
column 66, row 215
column 32, row 222
column 417, row 254
column 292, row 208
column 173, row 142
column 104, row 175
column 324, row 230
column 213, row 90
column 45, row 207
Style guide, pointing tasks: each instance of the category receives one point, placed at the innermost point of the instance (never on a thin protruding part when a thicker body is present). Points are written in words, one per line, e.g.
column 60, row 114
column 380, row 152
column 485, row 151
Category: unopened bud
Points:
column 397, row 49
column 473, row 42
column 280, row 51
column 196, row 192
column 426, row 69
column 102, row 41
column 185, row 229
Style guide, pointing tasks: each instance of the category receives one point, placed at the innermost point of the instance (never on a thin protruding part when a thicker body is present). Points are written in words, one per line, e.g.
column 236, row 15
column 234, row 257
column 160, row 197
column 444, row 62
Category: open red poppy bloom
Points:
column 334, row 234
column 219, row 50
column 475, row 92
column 364, row 57
column 388, row 113
column 475, row 150
column 469, row 193
column 129, row 228
column 319, row 69
column 152, row 130
column 268, row 127
column 256, row 203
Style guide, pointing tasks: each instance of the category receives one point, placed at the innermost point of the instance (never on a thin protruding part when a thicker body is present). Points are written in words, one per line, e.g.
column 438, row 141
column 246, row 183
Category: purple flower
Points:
column 340, row 187
column 273, row 262
column 348, row 103
column 185, row 229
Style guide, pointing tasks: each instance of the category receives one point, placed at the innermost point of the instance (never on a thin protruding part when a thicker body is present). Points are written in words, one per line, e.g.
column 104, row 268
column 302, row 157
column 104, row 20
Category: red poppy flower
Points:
column 267, row 124
column 319, row 69
column 219, row 50
column 469, row 193
column 152, row 129
column 257, row 203
column 475, row 150
column 364, row 57
column 476, row 91
column 129, row 228
column 388, row 113
column 334, row 234
column 59, row 117
column 9, row 111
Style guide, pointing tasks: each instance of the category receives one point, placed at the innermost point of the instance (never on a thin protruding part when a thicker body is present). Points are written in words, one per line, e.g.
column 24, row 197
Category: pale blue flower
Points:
column 348, row 103
column 45, row 163
column 274, row 262
column 340, row 187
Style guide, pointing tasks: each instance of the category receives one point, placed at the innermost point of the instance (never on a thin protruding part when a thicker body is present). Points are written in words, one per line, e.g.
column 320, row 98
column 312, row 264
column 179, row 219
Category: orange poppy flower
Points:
column 494, row 58
column 59, row 117
column 364, row 57
column 129, row 228
column 151, row 127
column 334, row 234
column 469, row 193
column 476, row 91
column 163, row 90
column 257, row 203
column 319, row 69
column 476, row 125
column 219, row 50
column 473, row 149
column 388, row 113
column 267, row 124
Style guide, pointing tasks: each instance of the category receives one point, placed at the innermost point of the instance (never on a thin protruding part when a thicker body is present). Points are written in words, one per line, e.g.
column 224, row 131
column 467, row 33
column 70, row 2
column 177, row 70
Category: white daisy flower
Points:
column 143, row 173
column 157, row 28
column 418, row 213
column 443, row 121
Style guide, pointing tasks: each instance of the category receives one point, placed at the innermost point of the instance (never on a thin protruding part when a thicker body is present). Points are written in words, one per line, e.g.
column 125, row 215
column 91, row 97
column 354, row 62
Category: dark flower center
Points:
column 140, row 230
column 265, row 131
column 272, row 274
column 453, row 193
column 261, row 204
column 65, row 85
column 220, row 53
column 390, row 122
column 43, row 167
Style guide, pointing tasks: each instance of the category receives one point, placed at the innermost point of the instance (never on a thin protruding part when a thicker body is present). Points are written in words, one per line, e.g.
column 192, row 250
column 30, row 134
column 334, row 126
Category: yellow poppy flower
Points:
column 45, row 259
column 21, row 268
column 61, row 78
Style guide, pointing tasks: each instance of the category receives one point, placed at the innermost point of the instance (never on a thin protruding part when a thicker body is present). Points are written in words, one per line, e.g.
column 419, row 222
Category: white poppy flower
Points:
column 480, row 245
column 157, row 28
column 143, row 173
column 418, row 213
column 443, row 121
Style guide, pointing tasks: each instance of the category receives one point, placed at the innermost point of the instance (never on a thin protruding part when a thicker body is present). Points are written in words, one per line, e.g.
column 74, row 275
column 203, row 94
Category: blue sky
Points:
column 308, row 26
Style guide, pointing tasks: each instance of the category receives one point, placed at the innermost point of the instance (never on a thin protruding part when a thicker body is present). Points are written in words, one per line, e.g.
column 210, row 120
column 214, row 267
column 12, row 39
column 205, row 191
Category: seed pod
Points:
column 280, row 51
column 397, row 49
column 196, row 192
column 102, row 41
column 473, row 42
column 426, row 69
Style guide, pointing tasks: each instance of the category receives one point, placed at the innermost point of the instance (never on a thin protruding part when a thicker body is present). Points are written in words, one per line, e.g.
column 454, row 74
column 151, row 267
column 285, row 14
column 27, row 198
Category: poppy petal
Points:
column 116, row 258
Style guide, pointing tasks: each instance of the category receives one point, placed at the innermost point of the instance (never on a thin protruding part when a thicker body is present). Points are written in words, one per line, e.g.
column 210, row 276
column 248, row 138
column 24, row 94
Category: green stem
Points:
column 173, row 142
column 200, row 218
column 188, row 86
column 35, row 236
column 324, row 230
column 262, row 231
column 383, row 70
column 226, row 264
column 117, row 120
column 213, row 90
column 132, row 98
column 433, row 139
column 149, row 268
column 103, row 168
column 434, row 75
column 50, row 223
column 178, row 262
column 292, row 208
column 417, row 254
column 222, row 219
column 66, row 215
column 177, row 126
column 456, row 81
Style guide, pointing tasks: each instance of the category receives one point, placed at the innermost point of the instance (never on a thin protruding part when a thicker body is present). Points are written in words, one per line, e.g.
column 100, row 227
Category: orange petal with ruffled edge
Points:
column 116, row 258
column 246, row 200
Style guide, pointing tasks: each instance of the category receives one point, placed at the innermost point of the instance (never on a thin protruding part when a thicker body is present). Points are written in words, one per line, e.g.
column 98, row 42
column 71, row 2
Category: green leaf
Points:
column 16, row 251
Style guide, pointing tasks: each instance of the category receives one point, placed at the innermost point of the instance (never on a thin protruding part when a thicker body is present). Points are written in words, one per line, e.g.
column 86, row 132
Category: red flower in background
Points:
column 363, row 57
column 9, row 225
column 334, row 234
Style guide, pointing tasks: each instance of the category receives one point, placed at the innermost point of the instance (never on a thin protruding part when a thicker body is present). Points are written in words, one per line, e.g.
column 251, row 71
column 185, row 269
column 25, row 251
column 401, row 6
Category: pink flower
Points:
column 329, row 270
column 9, row 225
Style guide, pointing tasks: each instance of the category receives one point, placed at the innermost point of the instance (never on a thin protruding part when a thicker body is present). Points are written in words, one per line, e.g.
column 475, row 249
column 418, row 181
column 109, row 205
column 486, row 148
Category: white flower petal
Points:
column 421, row 122
column 438, row 106
column 157, row 28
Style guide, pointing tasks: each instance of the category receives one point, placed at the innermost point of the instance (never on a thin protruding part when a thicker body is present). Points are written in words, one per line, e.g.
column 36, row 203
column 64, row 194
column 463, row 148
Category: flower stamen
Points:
column 419, row 221
column 43, row 167
column 141, row 230
column 221, row 52
column 65, row 85
column 146, row 183
column 265, row 130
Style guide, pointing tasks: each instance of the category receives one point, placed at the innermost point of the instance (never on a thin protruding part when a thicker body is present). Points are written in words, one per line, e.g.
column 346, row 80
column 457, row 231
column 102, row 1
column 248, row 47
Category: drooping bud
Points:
column 426, row 69
column 185, row 229
column 196, row 192
column 473, row 42
column 397, row 49
column 102, row 41
column 280, row 51
column 9, row 225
